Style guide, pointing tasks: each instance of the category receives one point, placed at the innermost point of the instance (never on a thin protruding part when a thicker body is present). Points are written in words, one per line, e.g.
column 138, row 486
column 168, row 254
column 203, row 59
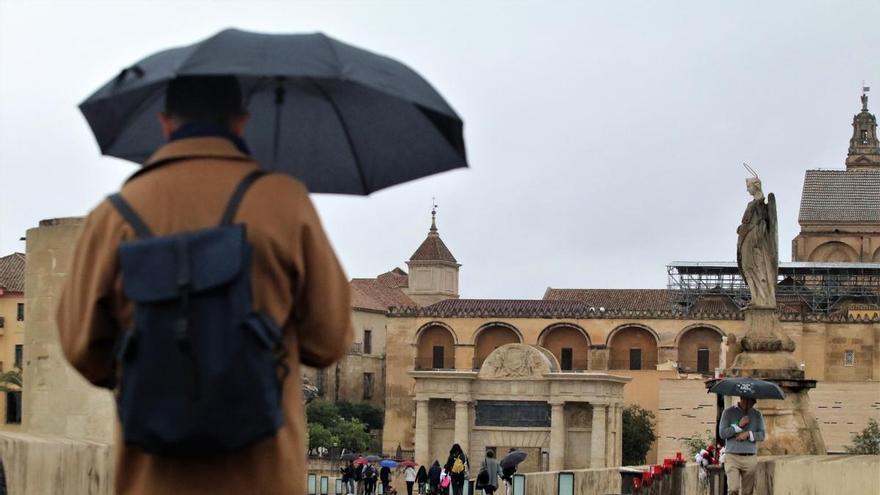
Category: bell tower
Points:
column 433, row 271
column 864, row 149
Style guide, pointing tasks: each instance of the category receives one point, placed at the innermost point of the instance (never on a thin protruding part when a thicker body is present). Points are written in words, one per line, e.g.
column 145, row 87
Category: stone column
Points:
column 597, row 437
column 462, row 424
column 557, row 436
column 423, row 431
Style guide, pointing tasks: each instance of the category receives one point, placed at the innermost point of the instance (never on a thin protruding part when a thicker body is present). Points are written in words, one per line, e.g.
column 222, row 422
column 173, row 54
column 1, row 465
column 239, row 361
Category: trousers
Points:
column 740, row 471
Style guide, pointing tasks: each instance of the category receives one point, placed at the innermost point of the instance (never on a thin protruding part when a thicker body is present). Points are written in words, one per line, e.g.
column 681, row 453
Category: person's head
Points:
column 436, row 462
column 490, row 454
column 215, row 100
column 456, row 449
column 512, row 449
column 747, row 403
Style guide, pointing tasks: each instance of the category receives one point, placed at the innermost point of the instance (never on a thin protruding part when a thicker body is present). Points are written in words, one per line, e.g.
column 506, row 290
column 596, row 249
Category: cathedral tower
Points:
column 433, row 271
column 864, row 149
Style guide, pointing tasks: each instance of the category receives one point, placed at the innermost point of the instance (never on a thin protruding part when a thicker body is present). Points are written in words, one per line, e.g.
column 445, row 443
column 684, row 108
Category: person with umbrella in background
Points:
column 490, row 471
column 508, row 467
column 370, row 476
column 742, row 427
column 359, row 476
column 202, row 246
column 385, row 477
column 348, row 477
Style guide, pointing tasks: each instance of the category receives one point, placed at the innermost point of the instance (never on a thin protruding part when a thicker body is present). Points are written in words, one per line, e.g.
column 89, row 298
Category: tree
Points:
column 638, row 434
column 323, row 412
column 320, row 437
column 867, row 441
column 372, row 416
column 352, row 435
column 10, row 381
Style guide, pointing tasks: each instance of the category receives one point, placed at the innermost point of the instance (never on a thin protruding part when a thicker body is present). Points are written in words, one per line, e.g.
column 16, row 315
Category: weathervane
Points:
column 433, row 214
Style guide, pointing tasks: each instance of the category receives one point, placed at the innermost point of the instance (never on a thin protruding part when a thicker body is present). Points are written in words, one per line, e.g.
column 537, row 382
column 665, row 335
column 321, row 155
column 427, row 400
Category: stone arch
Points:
column 559, row 336
column 834, row 251
column 876, row 257
column 633, row 346
column 435, row 347
column 699, row 348
column 491, row 336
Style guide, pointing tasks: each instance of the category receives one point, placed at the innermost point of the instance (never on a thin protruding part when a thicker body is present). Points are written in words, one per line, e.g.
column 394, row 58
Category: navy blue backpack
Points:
column 200, row 369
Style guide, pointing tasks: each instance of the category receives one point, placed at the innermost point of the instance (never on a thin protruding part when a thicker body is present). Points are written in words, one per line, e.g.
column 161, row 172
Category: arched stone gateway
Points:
column 520, row 398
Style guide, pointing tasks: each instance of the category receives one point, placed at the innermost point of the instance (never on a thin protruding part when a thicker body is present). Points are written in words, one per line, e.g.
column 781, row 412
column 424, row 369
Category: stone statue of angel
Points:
column 757, row 251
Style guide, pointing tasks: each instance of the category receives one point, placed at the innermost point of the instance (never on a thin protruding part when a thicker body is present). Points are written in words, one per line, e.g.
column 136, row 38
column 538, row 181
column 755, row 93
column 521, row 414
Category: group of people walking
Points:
column 445, row 479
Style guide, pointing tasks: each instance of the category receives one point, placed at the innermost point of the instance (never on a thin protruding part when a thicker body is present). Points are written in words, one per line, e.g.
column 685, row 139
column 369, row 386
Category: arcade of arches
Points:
column 630, row 347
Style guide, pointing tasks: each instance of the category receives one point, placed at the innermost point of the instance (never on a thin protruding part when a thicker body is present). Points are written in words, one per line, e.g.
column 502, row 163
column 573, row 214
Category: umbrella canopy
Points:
column 373, row 458
column 389, row 463
column 339, row 118
column 749, row 388
column 408, row 464
column 513, row 459
column 349, row 456
column 360, row 460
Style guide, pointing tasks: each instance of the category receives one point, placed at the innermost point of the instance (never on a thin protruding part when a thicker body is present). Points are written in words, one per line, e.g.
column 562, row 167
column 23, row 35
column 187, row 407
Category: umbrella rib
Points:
column 341, row 119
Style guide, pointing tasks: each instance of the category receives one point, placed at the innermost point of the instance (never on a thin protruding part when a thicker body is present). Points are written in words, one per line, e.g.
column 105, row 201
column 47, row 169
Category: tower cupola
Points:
column 433, row 270
column 864, row 149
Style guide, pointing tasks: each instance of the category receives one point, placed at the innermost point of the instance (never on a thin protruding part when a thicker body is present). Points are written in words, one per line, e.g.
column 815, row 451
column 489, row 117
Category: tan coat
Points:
column 296, row 280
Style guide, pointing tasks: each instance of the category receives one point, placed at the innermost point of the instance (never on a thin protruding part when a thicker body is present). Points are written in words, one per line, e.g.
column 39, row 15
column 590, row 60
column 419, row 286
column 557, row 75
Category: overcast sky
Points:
column 605, row 138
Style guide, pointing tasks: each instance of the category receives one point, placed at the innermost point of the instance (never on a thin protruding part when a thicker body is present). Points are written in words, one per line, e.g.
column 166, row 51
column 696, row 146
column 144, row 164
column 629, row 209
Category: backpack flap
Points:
column 154, row 269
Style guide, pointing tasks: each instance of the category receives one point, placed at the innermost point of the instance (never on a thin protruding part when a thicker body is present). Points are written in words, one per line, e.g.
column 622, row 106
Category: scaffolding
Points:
column 820, row 287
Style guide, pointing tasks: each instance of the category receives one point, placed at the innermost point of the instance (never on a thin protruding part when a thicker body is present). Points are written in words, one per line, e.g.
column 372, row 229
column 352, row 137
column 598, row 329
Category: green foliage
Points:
column 343, row 424
column 319, row 436
column 353, row 435
column 697, row 442
column 639, row 426
column 323, row 412
column 368, row 414
column 10, row 381
column 867, row 441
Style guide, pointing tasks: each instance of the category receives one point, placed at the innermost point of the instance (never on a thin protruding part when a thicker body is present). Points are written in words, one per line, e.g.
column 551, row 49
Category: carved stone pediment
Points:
column 517, row 362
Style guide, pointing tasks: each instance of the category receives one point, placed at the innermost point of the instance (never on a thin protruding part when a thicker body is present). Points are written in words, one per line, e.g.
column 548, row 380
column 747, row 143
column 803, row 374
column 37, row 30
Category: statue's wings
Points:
column 773, row 231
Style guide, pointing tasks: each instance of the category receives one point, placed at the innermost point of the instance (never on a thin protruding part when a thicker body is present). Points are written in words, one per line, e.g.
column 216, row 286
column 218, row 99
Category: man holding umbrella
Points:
column 742, row 427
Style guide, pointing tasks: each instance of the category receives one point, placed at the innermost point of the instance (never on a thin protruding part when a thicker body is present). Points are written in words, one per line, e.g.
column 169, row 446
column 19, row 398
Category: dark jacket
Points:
column 422, row 475
column 347, row 473
column 434, row 474
column 384, row 474
column 451, row 460
column 359, row 472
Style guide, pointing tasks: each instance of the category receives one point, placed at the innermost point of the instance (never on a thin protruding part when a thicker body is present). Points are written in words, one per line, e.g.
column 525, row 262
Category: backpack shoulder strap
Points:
column 238, row 195
column 130, row 216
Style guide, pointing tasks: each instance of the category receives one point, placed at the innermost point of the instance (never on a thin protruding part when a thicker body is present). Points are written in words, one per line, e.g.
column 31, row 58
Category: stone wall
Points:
column 57, row 400
column 45, row 464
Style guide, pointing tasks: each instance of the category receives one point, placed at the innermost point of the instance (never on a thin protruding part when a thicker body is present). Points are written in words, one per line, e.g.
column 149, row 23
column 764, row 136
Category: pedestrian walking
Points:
column 742, row 426
column 348, row 478
column 422, row 480
column 359, row 479
column 370, row 477
column 490, row 471
column 434, row 478
column 409, row 476
column 385, row 478
column 202, row 247
column 507, row 473
column 457, row 468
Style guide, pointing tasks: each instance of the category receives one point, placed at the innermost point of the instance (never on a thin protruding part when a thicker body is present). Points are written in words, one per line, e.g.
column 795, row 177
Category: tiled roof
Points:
column 395, row 279
column 12, row 272
column 370, row 294
column 501, row 307
column 433, row 249
column 619, row 299
column 840, row 196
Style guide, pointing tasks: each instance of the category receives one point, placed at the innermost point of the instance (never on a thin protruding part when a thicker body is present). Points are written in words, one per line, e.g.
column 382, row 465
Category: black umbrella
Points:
column 339, row 118
column 513, row 459
column 748, row 387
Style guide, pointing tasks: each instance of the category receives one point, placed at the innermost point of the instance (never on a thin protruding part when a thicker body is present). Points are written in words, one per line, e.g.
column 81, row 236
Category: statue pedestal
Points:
column 767, row 355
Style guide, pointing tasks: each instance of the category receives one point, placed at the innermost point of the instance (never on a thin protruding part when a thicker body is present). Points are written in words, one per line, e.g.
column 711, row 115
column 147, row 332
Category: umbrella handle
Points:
column 280, row 92
column 136, row 69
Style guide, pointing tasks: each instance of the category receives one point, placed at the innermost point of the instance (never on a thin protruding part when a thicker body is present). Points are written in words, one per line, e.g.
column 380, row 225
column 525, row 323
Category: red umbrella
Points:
column 359, row 460
column 407, row 464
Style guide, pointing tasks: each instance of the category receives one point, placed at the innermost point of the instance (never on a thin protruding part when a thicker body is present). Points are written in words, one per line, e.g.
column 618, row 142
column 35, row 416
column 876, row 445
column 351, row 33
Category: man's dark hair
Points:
column 490, row 453
column 207, row 99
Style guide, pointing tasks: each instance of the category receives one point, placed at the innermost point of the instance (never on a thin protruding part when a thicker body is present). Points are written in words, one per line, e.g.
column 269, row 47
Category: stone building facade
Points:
column 12, row 320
